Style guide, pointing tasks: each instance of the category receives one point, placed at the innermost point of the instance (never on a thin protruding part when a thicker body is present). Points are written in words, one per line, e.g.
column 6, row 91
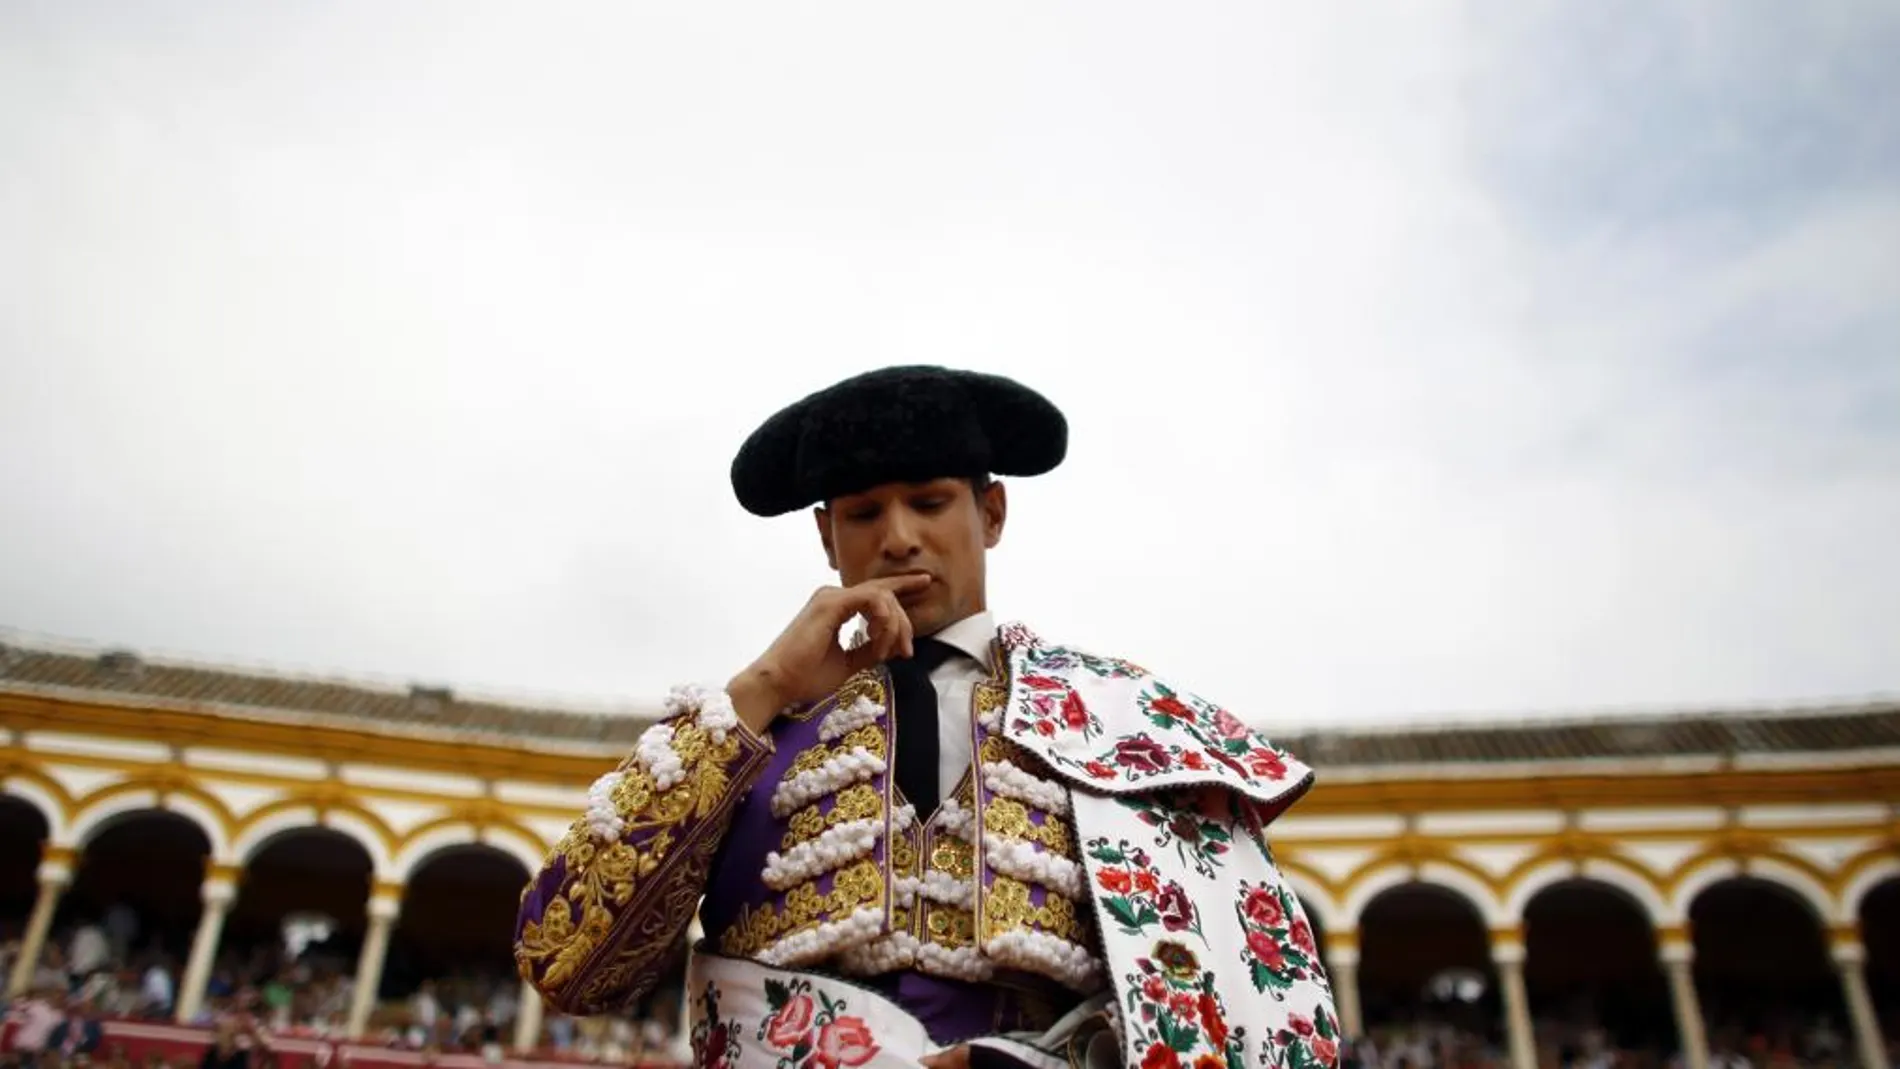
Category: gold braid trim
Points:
column 1008, row 906
column 1011, row 819
column 601, row 879
column 858, row 802
column 754, row 929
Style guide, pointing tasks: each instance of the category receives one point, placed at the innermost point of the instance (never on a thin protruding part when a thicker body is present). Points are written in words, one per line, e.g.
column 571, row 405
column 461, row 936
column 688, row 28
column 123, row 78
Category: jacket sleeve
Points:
column 600, row 920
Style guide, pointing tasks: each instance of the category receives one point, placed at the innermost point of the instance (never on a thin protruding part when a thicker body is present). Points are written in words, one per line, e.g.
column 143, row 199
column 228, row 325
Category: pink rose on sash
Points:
column 845, row 1042
column 1229, row 725
column 792, row 1023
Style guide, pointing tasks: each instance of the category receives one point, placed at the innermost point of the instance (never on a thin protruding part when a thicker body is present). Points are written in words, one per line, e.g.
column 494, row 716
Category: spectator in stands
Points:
column 156, row 992
column 238, row 1043
column 88, row 952
column 78, row 1034
column 35, row 1018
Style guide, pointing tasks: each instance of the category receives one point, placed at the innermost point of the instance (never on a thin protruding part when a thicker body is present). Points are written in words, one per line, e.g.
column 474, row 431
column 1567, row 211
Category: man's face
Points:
column 941, row 528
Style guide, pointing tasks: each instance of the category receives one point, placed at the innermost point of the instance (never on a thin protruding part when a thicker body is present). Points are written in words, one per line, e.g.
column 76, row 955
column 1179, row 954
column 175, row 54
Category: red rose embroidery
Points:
column 1325, row 1050
column 715, row 1048
column 1229, row 725
column 1194, row 760
column 1262, row 908
column 1212, row 1020
column 1046, row 728
column 1266, row 949
column 1154, row 990
column 792, row 1023
column 845, row 1042
column 1074, row 713
column 1209, row 1061
column 1142, row 754
column 1160, row 1056
column 1042, row 683
column 1115, row 881
column 1171, row 707
column 1267, row 764
column 1239, row 769
column 1300, row 1025
column 1184, row 1005
column 1145, row 883
column 1302, row 936
column 1099, row 770
column 1177, row 911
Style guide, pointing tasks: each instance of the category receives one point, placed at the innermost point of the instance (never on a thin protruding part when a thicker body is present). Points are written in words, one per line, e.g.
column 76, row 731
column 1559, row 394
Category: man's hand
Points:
column 957, row 1057
column 806, row 663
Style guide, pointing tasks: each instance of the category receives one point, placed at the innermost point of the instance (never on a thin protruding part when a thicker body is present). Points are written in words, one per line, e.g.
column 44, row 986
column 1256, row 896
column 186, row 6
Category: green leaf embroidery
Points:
column 776, row 996
column 1122, row 910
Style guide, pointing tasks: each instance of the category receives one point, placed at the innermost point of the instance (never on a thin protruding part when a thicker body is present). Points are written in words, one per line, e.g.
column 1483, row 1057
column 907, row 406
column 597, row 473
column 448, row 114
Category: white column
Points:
column 695, row 935
column 1678, row 960
column 1341, row 959
column 1507, row 953
column 217, row 893
column 1850, row 958
column 55, row 875
column 528, row 1020
column 385, row 902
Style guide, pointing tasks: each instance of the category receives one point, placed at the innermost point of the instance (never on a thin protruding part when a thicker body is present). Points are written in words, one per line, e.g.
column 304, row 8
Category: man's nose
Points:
column 900, row 535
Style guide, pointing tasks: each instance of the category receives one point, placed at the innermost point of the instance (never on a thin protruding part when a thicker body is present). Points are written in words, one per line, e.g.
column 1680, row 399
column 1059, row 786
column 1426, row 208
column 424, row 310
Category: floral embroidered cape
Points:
column 1212, row 957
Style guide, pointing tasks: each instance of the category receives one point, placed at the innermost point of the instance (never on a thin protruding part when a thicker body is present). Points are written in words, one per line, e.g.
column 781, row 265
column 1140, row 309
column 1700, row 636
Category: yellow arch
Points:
column 1749, row 857
column 425, row 841
column 1861, row 874
column 1595, row 862
column 255, row 830
column 206, row 810
column 43, row 793
column 1419, row 860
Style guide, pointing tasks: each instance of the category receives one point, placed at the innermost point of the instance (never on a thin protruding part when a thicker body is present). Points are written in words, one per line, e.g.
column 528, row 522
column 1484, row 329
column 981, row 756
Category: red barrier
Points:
column 185, row 1046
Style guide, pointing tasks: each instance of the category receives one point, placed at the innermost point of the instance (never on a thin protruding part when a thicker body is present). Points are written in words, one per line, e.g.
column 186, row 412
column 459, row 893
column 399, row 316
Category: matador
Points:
column 915, row 835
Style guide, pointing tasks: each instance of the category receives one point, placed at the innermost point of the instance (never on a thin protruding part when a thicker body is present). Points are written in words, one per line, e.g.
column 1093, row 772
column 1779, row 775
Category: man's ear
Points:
column 823, row 516
column 994, row 503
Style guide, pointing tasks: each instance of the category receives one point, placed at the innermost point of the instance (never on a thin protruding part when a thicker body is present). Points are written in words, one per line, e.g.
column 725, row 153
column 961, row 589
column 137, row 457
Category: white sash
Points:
column 745, row 1015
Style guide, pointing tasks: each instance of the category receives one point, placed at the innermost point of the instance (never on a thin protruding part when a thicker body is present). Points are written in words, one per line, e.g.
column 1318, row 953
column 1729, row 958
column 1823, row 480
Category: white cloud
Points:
column 366, row 339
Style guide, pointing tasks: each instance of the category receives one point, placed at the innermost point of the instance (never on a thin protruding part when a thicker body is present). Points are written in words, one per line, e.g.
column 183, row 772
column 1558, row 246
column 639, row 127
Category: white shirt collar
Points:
column 971, row 635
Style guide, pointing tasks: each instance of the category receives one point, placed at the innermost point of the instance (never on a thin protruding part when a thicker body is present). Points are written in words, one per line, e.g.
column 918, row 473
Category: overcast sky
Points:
column 1436, row 361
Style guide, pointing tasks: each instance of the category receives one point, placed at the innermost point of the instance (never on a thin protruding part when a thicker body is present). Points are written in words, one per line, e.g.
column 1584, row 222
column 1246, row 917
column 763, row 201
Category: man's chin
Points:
column 926, row 618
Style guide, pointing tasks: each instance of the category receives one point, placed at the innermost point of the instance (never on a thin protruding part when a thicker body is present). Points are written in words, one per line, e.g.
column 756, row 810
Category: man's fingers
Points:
column 954, row 1058
column 898, row 584
column 896, row 624
column 887, row 630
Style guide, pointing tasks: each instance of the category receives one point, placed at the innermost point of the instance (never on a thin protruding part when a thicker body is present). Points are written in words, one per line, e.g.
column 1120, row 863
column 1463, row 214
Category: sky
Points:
column 1422, row 362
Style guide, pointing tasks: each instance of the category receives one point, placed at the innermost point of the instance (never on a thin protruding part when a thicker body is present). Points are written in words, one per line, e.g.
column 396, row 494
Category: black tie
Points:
column 916, row 718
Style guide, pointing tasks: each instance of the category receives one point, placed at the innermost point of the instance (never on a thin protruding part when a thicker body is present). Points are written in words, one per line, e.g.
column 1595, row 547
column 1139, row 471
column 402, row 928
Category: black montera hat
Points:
column 897, row 424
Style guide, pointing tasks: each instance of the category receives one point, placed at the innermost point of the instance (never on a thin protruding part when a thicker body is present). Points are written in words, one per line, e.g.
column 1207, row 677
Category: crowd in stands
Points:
column 98, row 971
column 1427, row 1040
